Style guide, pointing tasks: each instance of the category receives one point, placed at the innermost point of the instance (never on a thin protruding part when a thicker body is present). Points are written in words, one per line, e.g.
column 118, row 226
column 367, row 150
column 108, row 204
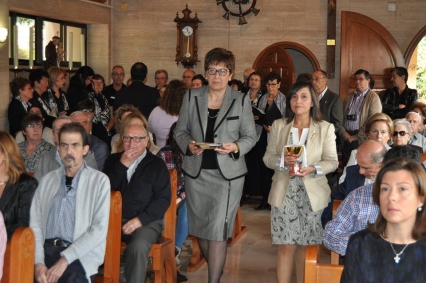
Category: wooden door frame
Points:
column 290, row 45
column 413, row 45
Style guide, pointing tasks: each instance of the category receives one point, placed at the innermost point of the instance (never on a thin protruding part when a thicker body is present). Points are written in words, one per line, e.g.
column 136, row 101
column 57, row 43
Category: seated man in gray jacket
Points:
column 51, row 160
column 69, row 214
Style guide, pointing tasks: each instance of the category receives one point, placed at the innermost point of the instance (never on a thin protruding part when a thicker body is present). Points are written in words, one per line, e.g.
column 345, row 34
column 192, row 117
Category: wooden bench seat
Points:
column 316, row 272
column 19, row 257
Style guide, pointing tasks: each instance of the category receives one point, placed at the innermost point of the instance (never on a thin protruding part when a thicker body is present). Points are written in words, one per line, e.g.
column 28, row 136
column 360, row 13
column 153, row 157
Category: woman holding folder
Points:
column 272, row 104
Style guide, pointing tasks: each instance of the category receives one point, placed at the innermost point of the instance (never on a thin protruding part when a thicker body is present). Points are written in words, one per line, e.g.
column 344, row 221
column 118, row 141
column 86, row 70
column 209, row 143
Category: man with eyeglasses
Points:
column 357, row 108
column 330, row 103
column 369, row 161
column 98, row 146
column 117, row 76
column 69, row 214
column 51, row 160
column 144, row 97
column 144, row 182
column 416, row 122
column 187, row 78
column 161, row 77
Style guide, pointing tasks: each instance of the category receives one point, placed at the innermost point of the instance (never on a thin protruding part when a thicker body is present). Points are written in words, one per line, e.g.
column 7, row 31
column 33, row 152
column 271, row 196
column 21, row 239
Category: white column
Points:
column 31, row 60
column 15, row 47
column 70, row 44
column 82, row 50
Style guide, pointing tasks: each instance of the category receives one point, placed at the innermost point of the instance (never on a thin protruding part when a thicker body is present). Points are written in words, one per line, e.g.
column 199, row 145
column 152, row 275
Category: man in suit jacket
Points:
column 369, row 161
column 144, row 182
column 330, row 103
column 144, row 97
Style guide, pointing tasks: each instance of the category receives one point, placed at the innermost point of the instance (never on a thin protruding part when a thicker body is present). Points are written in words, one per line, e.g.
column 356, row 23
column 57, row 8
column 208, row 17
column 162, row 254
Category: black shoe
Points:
column 263, row 206
column 181, row 277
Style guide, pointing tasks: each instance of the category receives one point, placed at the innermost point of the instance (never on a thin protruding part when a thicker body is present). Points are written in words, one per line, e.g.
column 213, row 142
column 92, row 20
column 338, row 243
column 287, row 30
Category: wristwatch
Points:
column 315, row 169
column 237, row 149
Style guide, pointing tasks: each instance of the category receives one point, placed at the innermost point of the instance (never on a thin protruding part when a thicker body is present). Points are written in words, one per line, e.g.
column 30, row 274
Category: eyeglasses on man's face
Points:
column 118, row 74
column 317, row 79
column 213, row 71
column 135, row 139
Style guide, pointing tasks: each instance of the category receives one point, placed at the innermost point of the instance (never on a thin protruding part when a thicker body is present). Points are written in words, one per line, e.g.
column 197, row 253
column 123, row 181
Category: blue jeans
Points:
column 182, row 224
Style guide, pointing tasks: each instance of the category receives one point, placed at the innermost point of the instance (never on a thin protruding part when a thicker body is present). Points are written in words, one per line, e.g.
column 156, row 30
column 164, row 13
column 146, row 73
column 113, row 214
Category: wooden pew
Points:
column 335, row 256
column 316, row 272
column 113, row 240
column 163, row 252
column 19, row 257
column 197, row 259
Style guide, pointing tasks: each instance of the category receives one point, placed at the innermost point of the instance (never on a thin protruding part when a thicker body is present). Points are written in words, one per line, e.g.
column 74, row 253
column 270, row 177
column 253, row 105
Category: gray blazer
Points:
column 234, row 123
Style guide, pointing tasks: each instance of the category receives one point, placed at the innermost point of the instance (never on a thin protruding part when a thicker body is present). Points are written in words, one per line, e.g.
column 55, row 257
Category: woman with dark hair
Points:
column 47, row 133
column 167, row 113
column 22, row 92
column 16, row 187
column 78, row 89
column 215, row 130
column 298, row 197
column 34, row 145
column 273, row 104
column 103, row 119
column 236, row 84
column 392, row 249
column 199, row 81
column 55, row 98
column 173, row 157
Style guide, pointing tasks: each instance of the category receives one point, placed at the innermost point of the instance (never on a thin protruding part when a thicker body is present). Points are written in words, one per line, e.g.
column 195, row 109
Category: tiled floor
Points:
column 252, row 259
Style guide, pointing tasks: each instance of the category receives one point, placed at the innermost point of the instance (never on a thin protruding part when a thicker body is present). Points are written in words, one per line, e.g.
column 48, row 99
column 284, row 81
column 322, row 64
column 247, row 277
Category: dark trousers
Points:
column 74, row 273
column 137, row 251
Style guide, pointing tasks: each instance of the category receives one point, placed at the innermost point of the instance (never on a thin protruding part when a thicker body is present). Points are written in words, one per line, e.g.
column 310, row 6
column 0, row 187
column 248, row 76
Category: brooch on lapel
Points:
column 311, row 136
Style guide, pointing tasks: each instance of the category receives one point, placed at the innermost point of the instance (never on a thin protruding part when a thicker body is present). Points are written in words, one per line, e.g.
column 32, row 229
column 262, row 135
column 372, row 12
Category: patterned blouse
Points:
column 166, row 154
column 54, row 104
column 31, row 162
column 102, row 111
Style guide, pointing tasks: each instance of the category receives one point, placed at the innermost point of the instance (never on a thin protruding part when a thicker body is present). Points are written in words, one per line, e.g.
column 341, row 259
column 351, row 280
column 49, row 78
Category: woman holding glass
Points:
column 298, row 199
column 392, row 249
column 215, row 130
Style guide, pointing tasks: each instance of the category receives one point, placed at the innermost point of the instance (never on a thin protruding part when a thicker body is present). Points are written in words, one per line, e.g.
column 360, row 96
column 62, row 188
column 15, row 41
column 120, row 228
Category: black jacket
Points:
column 144, row 97
column 15, row 203
column 148, row 193
column 391, row 100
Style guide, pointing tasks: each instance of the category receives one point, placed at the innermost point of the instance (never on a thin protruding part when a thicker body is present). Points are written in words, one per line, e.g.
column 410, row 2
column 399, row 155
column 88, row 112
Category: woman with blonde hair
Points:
column 134, row 118
column 379, row 127
column 16, row 187
column 55, row 97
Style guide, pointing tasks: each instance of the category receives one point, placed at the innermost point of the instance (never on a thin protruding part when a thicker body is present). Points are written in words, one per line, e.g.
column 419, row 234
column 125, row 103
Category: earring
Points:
column 419, row 208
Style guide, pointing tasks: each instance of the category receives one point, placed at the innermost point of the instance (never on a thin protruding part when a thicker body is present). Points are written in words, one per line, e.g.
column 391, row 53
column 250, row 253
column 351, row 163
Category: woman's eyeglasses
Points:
column 213, row 71
column 401, row 133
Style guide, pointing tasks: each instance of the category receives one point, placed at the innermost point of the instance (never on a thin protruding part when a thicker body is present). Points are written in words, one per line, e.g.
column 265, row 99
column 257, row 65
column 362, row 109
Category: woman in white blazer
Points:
column 298, row 200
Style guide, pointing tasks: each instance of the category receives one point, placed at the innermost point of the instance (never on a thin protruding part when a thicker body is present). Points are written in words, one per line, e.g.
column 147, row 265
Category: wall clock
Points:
column 187, row 37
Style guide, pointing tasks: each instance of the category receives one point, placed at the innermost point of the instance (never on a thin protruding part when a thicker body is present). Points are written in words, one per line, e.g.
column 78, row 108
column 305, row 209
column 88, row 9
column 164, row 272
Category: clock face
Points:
column 187, row 31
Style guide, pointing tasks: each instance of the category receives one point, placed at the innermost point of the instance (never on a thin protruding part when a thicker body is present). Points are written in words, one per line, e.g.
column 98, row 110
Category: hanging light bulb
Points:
column 226, row 16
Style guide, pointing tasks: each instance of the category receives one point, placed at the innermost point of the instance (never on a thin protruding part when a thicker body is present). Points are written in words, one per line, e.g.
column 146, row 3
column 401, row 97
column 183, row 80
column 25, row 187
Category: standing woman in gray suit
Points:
column 298, row 199
column 222, row 117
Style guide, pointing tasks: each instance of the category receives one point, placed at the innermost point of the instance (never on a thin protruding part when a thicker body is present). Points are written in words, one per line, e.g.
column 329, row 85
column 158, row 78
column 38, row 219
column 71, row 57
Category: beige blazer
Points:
column 320, row 148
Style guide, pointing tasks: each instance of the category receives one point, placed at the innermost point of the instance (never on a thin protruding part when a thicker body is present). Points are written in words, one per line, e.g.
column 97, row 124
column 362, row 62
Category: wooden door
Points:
column 277, row 59
column 366, row 44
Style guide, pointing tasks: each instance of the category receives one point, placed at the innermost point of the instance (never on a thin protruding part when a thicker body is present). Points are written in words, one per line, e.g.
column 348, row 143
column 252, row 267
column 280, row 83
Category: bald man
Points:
column 187, row 78
column 369, row 161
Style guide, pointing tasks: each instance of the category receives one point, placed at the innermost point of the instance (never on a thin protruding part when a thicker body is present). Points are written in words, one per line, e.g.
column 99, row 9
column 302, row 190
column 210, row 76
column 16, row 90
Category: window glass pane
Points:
column 75, row 50
column 23, row 28
column 50, row 29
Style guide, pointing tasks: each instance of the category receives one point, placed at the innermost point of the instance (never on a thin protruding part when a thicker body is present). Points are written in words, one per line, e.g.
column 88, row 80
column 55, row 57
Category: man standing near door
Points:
column 330, row 103
column 357, row 108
